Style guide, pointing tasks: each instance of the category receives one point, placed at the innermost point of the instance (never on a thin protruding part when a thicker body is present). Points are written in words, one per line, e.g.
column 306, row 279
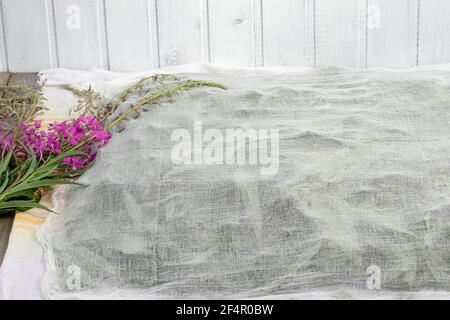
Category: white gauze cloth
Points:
column 362, row 191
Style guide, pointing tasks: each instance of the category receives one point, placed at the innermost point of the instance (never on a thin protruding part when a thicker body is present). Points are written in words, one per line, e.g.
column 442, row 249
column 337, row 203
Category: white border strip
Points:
column 4, row 66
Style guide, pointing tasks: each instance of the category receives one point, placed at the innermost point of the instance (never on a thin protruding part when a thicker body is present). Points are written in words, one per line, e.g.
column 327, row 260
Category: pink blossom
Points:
column 85, row 131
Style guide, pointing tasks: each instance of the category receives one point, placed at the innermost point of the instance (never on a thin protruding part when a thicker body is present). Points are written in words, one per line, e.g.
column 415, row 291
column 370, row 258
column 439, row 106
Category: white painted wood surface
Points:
column 392, row 33
column 231, row 31
column 128, row 42
column 340, row 32
column 80, row 33
column 180, row 31
column 28, row 26
column 434, row 36
column 285, row 29
column 126, row 35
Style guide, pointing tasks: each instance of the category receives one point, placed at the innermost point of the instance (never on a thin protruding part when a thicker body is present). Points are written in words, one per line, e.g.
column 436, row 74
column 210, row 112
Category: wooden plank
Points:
column 27, row 79
column 27, row 29
column 129, row 36
column 392, row 33
column 204, row 30
column 258, row 40
column 434, row 32
column 231, row 32
column 285, row 31
column 4, row 78
column 340, row 32
column 6, row 220
column 180, row 31
column 80, row 34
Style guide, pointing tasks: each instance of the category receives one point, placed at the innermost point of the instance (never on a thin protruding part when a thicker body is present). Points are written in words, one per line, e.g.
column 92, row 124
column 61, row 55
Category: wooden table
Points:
column 6, row 220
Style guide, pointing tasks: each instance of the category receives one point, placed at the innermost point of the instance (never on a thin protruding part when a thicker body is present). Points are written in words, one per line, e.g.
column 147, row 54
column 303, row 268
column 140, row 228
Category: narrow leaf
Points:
column 4, row 184
column 22, row 204
column 32, row 165
column 5, row 162
column 41, row 183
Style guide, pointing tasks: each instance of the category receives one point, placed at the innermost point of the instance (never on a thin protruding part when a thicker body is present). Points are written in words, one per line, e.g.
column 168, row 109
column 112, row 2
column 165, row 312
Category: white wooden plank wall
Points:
column 80, row 33
column 29, row 41
column 231, row 30
column 285, row 28
column 180, row 31
column 128, row 42
column 434, row 35
column 129, row 35
column 392, row 32
column 340, row 32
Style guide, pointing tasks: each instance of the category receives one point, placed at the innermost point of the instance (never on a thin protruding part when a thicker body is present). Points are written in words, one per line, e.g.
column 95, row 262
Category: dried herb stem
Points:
column 164, row 93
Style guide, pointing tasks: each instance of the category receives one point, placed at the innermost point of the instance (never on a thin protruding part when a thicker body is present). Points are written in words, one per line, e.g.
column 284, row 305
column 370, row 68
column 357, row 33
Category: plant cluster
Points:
column 34, row 158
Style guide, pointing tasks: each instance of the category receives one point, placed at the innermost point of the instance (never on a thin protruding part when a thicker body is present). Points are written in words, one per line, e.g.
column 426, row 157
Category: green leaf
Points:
column 5, row 162
column 41, row 183
column 28, row 194
column 304, row 258
column 32, row 165
column 14, row 170
column 134, row 210
column 5, row 182
column 63, row 155
column 70, row 174
column 18, row 205
column 46, row 174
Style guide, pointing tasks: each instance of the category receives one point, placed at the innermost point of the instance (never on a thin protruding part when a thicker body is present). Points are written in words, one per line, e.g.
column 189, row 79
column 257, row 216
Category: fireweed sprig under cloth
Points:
column 33, row 159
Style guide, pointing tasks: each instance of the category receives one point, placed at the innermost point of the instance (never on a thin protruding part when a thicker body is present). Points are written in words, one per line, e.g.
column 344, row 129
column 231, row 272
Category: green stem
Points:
column 123, row 97
column 186, row 85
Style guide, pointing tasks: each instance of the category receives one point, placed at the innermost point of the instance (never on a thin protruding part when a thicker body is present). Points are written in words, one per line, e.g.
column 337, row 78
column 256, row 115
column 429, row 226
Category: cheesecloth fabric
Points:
column 360, row 200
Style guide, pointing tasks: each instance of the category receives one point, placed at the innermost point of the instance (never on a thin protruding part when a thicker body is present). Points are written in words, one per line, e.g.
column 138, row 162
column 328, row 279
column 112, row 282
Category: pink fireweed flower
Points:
column 37, row 124
column 75, row 162
column 6, row 143
column 39, row 141
column 85, row 130
column 102, row 135
column 85, row 133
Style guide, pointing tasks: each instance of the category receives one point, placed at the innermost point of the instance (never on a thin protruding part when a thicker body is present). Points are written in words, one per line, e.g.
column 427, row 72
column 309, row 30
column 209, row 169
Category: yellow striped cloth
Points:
column 23, row 265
